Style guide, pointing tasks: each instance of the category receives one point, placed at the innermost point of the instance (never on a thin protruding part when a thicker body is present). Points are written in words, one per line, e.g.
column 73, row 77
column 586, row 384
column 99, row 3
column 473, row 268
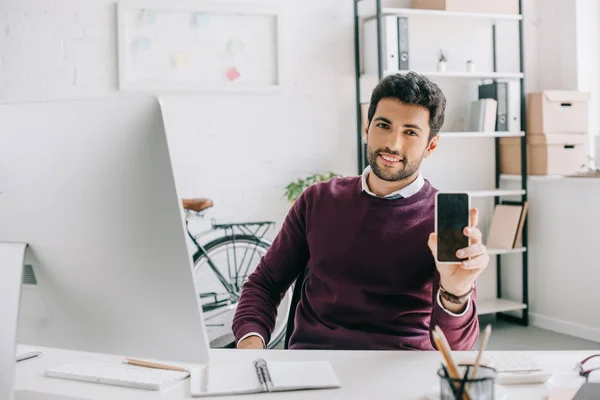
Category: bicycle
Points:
column 222, row 266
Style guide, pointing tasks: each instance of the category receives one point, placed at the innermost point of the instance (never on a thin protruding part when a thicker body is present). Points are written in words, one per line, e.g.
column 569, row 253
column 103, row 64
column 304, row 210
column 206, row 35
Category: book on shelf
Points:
column 507, row 224
column 483, row 115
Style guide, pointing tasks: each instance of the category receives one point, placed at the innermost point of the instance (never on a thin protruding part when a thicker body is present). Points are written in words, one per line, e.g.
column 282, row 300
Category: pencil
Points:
column 148, row 364
column 484, row 341
column 442, row 344
column 205, row 379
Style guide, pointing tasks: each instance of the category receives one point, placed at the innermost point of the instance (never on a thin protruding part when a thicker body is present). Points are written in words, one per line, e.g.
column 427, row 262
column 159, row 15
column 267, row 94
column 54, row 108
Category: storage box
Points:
column 476, row 6
column 557, row 111
column 559, row 154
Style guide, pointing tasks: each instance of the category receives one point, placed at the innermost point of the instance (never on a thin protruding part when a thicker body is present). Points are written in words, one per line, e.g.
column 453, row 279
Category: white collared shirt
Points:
column 411, row 189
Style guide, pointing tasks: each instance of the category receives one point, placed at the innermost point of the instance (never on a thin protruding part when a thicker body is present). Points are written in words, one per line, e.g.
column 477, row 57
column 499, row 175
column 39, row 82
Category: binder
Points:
column 499, row 92
column 394, row 44
column 403, row 43
column 261, row 376
column 483, row 115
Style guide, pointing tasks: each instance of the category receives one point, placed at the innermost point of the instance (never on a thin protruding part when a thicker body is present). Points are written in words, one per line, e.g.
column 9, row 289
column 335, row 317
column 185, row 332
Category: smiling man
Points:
column 367, row 246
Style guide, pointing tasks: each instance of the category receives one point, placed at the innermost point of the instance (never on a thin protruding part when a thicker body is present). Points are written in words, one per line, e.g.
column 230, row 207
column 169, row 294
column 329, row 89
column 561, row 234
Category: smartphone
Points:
column 451, row 218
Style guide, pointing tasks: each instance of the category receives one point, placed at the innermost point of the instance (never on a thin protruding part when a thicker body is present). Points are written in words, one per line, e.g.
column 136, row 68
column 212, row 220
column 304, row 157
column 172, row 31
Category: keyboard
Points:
column 118, row 374
column 518, row 369
column 513, row 363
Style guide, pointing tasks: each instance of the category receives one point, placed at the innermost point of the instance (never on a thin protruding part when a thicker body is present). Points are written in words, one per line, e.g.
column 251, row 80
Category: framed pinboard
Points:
column 195, row 46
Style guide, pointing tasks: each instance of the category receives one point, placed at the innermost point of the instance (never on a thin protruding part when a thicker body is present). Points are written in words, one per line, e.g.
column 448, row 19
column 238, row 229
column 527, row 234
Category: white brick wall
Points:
column 239, row 149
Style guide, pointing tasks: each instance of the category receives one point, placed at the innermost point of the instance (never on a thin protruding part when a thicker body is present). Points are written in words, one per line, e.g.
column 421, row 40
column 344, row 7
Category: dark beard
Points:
column 408, row 169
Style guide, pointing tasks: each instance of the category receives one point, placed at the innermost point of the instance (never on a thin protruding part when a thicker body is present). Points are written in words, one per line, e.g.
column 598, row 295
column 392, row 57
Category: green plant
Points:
column 294, row 189
column 442, row 57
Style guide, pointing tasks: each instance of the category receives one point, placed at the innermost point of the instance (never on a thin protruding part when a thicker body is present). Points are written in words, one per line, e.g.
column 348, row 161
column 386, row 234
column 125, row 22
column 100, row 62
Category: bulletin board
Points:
column 192, row 46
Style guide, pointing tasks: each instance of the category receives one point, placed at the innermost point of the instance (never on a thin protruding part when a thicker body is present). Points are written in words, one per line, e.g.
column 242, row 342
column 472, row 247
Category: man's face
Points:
column 398, row 139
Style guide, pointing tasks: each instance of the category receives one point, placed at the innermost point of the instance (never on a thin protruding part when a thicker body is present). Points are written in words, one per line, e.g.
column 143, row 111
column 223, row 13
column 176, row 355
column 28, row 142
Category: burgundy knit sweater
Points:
column 371, row 279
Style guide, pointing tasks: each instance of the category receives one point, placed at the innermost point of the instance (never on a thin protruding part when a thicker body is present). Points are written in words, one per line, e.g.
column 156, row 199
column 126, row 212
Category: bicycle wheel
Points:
column 235, row 257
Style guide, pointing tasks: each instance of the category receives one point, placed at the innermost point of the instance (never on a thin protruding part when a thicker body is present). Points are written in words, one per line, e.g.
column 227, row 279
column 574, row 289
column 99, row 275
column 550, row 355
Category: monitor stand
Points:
column 31, row 395
column 12, row 258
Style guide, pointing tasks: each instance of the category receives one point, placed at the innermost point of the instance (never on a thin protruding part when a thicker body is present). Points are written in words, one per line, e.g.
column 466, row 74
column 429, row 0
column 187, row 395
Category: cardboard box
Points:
column 476, row 6
column 557, row 111
column 560, row 154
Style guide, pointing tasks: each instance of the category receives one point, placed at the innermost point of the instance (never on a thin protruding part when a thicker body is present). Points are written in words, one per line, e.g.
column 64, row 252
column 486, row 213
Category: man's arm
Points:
column 285, row 260
column 458, row 322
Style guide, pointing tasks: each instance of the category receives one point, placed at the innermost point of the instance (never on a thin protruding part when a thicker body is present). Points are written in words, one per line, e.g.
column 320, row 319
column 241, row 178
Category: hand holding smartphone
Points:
column 451, row 218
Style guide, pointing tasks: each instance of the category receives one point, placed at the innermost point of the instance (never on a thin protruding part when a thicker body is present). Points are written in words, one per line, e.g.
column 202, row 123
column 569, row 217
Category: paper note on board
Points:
column 180, row 60
column 232, row 74
column 202, row 19
column 142, row 44
column 236, row 46
column 148, row 17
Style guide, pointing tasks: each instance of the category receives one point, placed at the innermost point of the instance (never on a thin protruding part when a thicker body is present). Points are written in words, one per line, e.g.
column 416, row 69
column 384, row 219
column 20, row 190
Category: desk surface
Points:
column 363, row 374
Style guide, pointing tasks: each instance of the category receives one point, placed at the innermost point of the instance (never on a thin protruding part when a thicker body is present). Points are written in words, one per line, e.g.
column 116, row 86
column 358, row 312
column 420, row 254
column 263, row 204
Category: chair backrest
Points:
column 296, row 295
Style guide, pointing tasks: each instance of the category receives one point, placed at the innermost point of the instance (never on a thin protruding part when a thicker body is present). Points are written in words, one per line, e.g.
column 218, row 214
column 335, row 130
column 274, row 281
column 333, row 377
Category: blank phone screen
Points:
column 452, row 218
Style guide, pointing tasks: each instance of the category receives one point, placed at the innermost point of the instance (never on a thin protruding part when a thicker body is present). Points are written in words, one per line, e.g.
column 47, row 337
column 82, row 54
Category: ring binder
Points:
column 262, row 371
column 286, row 376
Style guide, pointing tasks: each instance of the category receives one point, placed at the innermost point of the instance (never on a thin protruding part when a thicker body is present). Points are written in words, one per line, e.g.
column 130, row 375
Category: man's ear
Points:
column 432, row 146
column 366, row 132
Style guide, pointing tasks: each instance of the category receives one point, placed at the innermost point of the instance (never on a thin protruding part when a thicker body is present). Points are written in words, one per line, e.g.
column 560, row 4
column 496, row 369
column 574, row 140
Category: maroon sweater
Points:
column 371, row 278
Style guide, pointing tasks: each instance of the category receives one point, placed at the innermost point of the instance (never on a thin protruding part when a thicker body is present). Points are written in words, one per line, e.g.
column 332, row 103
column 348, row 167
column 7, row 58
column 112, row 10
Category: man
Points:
column 367, row 245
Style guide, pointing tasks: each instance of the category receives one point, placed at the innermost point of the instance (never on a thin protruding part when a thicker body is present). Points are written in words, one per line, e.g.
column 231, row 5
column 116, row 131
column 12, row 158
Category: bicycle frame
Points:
column 233, row 290
column 229, row 288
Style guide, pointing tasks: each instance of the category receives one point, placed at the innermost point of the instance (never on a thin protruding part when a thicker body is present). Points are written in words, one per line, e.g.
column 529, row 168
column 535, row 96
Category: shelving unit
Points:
column 407, row 12
column 493, row 306
column 475, row 135
column 368, row 9
column 496, row 252
column 496, row 193
column 465, row 75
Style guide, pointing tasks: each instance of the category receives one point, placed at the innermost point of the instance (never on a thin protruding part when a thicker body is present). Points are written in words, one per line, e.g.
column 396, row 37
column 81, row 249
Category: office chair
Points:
column 228, row 341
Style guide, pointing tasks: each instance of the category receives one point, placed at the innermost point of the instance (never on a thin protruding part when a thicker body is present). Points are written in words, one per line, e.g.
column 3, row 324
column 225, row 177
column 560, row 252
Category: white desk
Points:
column 363, row 374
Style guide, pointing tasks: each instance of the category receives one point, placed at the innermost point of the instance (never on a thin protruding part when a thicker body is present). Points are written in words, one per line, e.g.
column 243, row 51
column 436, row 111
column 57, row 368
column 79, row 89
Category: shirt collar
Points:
column 409, row 190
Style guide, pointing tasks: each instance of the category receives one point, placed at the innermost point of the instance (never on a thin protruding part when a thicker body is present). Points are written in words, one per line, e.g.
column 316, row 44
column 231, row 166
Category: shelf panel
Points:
column 406, row 12
column 480, row 134
column 495, row 252
column 495, row 193
column 549, row 178
column 461, row 74
column 498, row 305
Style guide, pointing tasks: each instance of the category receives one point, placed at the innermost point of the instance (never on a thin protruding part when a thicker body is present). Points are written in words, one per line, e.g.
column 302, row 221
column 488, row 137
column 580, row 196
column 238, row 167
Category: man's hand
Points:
column 251, row 342
column 458, row 278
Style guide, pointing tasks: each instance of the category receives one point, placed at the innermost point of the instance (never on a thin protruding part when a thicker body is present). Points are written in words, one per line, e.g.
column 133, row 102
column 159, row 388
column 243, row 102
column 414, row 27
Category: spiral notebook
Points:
column 261, row 376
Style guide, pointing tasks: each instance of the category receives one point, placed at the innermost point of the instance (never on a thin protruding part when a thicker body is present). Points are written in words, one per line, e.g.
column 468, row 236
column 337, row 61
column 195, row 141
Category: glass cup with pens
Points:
column 481, row 386
column 464, row 382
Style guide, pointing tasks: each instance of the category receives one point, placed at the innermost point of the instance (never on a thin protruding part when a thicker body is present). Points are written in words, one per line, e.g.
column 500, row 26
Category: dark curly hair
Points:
column 412, row 88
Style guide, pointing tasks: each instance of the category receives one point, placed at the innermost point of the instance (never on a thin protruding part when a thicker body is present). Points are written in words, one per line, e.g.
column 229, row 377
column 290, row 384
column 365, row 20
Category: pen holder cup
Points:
column 481, row 387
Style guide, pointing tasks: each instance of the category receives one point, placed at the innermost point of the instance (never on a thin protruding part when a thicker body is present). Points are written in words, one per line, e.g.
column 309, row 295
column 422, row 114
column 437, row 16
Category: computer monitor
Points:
column 89, row 186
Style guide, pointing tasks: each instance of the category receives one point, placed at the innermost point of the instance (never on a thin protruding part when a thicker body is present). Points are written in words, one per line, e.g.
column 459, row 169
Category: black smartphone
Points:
column 451, row 218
